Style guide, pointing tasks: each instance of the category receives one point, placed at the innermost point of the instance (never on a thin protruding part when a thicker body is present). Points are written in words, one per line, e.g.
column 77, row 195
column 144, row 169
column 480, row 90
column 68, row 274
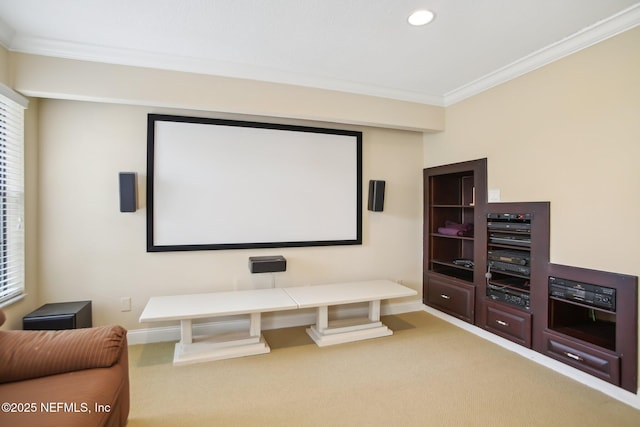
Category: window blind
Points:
column 11, row 196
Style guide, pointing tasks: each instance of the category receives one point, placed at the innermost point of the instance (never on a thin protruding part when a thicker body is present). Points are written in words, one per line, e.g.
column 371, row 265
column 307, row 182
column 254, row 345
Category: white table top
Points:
column 196, row 306
column 346, row 293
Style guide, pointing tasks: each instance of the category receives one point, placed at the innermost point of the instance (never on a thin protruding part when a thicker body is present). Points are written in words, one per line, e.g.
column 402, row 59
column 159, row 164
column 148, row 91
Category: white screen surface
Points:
column 222, row 184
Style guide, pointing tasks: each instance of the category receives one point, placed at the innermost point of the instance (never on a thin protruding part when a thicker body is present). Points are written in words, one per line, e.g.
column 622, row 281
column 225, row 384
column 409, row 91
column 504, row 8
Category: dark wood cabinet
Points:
column 454, row 297
column 507, row 322
column 581, row 355
column 592, row 322
column 455, row 196
column 517, row 253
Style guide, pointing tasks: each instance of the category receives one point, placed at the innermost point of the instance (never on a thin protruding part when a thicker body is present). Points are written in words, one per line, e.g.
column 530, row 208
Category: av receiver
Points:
column 509, row 268
column 510, row 239
column 510, row 216
column 506, row 255
column 510, row 226
column 509, row 222
column 508, row 295
column 594, row 295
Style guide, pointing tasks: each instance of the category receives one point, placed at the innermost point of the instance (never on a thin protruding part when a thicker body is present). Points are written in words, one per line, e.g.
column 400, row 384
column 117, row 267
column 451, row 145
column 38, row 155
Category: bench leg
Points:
column 186, row 334
column 347, row 330
column 224, row 345
column 322, row 318
column 254, row 325
column 374, row 311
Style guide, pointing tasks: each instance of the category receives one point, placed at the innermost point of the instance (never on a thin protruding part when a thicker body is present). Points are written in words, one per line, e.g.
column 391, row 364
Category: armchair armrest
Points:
column 33, row 354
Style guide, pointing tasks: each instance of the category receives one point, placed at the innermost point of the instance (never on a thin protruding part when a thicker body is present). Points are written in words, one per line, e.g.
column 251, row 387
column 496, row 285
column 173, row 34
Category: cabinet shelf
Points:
column 598, row 333
column 578, row 304
column 451, row 264
column 451, row 270
column 448, row 236
column 454, row 197
column 503, row 246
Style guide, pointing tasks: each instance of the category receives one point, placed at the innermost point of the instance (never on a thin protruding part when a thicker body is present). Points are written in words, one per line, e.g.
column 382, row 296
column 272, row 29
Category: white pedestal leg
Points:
column 347, row 330
column 221, row 346
column 254, row 325
column 322, row 318
column 186, row 334
column 374, row 310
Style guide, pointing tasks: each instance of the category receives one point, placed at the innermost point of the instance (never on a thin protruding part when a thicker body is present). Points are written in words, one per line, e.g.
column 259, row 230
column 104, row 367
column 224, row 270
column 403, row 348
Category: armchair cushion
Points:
column 33, row 354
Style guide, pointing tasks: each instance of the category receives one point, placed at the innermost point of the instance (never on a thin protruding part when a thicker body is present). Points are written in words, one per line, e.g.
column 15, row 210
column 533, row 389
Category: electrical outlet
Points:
column 125, row 304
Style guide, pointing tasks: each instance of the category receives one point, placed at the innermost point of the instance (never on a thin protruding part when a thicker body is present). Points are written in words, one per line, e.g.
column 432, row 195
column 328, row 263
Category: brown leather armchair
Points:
column 76, row 377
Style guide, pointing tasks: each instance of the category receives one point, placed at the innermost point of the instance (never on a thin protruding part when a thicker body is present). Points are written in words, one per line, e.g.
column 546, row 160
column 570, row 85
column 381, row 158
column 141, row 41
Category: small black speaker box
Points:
column 127, row 191
column 62, row 315
column 376, row 195
column 267, row 264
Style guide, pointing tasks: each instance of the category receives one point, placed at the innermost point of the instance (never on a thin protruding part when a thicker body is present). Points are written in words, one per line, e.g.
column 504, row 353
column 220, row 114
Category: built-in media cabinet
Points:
column 455, row 197
column 517, row 253
column 488, row 264
column 593, row 323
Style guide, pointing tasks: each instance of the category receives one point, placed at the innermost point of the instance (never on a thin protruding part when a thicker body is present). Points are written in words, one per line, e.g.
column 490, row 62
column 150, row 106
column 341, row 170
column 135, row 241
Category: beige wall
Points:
column 92, row 251
column 568, row 133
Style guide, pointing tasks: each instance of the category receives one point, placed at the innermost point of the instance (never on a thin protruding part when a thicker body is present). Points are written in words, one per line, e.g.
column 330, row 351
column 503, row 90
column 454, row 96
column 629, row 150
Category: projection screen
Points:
column 226, row 184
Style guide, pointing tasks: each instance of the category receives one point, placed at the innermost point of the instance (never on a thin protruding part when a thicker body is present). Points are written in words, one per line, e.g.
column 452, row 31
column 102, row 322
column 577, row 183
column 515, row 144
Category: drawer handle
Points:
column 502, row 323
column 574, row 356
column 443, row 296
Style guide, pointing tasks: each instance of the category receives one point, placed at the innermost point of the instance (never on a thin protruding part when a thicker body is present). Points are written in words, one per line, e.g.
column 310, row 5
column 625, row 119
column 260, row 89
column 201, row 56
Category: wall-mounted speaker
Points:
column 127, row 191
column 376, row 195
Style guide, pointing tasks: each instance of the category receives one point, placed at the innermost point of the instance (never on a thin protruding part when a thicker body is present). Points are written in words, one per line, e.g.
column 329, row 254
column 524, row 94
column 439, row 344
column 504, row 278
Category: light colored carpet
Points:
column 429, row 373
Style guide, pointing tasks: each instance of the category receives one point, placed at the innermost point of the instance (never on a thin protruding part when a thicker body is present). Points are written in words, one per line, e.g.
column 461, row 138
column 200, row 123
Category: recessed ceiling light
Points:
column 421, row 17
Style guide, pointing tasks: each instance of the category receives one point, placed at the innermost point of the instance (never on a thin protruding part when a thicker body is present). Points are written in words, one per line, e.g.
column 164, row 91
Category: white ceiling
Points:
column 359, row 46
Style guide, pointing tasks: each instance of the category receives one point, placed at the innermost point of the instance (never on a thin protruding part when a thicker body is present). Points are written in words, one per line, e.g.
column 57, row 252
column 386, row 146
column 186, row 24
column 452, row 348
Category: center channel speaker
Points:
column 267, row 264
column 376, row 195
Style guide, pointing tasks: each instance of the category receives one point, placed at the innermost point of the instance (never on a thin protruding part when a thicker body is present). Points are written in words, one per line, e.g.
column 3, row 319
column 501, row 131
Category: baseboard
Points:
column 276, row 320
column 610, row 390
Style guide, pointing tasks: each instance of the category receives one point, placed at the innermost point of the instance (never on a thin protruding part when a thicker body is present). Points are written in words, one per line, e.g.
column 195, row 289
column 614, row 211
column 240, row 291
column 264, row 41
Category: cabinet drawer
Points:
column 508, row 323
column 599, row 363
column 453, row 297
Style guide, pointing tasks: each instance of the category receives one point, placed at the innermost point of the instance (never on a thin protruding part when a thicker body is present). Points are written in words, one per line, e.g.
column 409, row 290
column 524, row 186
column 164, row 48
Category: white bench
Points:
column 326, row 332
column 185, row 308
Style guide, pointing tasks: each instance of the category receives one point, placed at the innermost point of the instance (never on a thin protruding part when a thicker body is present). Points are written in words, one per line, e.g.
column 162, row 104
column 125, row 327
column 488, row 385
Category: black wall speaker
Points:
column 127, row 191
column 376, row 195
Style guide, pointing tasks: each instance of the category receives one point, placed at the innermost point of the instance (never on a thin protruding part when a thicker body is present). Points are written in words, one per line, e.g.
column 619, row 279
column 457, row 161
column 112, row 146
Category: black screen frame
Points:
column 152, row 246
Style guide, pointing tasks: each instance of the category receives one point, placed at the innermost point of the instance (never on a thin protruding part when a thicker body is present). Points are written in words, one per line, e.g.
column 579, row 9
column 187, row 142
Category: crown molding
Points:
column 589, row 36
column 86, row 52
